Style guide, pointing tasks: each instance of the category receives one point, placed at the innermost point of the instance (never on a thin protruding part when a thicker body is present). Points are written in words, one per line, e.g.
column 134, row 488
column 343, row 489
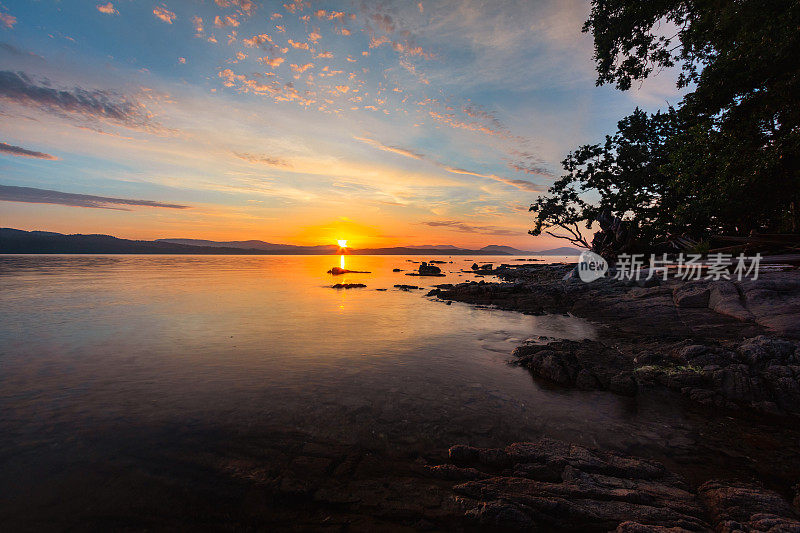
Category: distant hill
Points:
column 14, row 241
column 508, row 250
column 256, row 245
column 564, row 250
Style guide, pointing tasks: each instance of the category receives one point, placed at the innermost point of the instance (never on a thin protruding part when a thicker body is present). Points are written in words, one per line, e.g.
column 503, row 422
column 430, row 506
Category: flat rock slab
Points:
column 550, row 485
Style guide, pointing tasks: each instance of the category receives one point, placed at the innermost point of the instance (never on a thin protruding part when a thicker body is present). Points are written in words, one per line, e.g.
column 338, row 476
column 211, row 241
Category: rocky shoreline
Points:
column 731, row 345
column 552, row 485
column 728, row 347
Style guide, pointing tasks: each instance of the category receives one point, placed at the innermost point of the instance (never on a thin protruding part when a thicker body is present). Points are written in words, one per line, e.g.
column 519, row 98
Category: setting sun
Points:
column 342, row 243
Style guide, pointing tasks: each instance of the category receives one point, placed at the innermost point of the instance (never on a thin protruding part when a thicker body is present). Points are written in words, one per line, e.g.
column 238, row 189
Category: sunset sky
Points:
column 385, row 123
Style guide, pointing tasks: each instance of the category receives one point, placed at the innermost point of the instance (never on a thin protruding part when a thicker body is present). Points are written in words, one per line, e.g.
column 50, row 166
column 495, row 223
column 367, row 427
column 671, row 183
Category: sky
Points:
column 384, row 123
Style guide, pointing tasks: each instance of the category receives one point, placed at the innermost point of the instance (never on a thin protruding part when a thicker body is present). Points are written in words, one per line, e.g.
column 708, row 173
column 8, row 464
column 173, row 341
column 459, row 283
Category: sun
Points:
column 342, row 243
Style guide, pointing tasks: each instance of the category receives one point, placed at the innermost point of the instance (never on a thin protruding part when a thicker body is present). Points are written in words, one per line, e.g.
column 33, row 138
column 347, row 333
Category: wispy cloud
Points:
column 393, row 149
column 262, row 159
column 31, row 195
column 464, row 227
column 18, row 151
column 518, row 183
column 18, row 88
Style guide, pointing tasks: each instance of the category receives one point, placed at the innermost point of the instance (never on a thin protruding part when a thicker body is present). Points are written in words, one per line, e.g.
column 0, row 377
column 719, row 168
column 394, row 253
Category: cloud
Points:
column 299, row 69
column 274, row 62
column 463, row 227
column 246, row 6
column 383, row 21
column 8, row 20
column 108, row 9
column 529, row 164
column 295, row 44
column 164, row 14
column 519, row 184
column 18, row 88
column 197, row 22
column 257, row 40
column 262, row 159
column 32, row 195
column 394, row 149
column 222, row 22
column 14, row 51
column 10, row 149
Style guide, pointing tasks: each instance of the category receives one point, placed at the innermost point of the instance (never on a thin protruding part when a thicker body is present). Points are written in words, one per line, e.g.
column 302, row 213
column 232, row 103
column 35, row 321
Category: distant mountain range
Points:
column 14, row 241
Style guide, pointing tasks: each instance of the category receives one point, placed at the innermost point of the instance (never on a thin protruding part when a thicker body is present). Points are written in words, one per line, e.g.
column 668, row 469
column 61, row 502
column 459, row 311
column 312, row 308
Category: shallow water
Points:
column 91, row 346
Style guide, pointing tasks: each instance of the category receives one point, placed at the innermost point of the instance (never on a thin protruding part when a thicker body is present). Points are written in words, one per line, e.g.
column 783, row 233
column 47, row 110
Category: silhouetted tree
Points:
column 727, row 159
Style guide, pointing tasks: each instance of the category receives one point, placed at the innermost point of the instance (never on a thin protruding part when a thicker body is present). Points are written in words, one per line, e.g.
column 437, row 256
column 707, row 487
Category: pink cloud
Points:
column 197, row 22
column 275, row 62
column 221, row 22
column 301, row 46
column 164, row 14
column 108, row 9
column 257, row 40
column 8, row 20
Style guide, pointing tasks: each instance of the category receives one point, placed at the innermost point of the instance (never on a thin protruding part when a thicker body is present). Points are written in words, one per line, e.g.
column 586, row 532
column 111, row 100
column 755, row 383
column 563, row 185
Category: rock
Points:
column 724, row 298
column 636, row 527
column 396, row 270
column 648, row 282
column 736, row 506
column 557, row 486
column 734, row 383
column 586, row 380
column 407, row 287
column 774, row 301
column 426, row 270
column 623, row 383
column 347, row 286
column 691, row 295
column 463, row 455
column 762, row 351
column 453, row 472
column 337, row 271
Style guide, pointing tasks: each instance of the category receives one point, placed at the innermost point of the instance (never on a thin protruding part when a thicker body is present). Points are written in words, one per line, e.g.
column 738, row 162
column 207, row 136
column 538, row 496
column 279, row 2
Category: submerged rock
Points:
column 407, row 287
column 348, row 286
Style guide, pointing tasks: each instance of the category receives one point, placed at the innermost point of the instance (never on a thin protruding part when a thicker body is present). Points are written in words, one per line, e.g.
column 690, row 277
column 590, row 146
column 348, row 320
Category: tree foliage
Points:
column 727, row 158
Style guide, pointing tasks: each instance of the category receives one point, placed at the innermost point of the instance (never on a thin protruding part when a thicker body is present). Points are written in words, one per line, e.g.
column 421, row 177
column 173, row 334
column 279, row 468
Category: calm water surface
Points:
column 92, row 346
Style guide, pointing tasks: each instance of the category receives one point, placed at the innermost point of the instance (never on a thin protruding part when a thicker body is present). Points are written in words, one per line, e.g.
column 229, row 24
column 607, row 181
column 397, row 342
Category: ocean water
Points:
column 98, row 349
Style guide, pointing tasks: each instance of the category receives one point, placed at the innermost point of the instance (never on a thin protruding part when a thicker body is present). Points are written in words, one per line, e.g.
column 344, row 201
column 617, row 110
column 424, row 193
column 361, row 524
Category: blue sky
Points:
column 386, row 123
